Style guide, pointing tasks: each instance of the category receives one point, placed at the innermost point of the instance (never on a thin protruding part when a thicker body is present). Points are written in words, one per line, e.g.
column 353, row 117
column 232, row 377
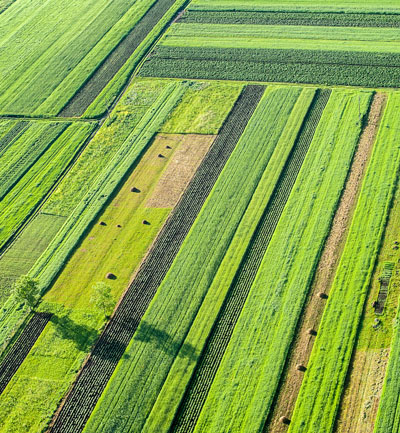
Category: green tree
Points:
column 26, row 290
column 102, row 298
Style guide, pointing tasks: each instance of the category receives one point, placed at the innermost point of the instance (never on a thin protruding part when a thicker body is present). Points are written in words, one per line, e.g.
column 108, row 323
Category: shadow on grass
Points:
column 149, row 334
column 81, row 335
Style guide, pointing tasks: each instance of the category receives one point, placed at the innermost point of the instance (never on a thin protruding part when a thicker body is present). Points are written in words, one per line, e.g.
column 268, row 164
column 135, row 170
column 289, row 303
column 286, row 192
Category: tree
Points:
column 26, row 290
column 102, row 298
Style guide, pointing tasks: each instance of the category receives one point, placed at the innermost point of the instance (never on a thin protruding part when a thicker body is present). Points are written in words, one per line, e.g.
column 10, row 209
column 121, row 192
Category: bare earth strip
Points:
column 325, row 273
column 181, row 168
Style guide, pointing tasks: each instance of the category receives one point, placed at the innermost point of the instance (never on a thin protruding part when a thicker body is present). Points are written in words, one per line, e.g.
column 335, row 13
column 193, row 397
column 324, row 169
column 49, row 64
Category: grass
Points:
column 203, row 108
column 48, row 70
column 318, row 401
column 161, row 333
column 168, row 400
column 33, row 186
column 19, row 259
column 242, row 393
column 368, row 6
column 54, row 360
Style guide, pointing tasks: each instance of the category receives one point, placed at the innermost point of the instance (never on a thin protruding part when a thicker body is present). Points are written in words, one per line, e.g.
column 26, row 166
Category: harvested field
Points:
column 325, row 273
column 95, row 374
column 183, row 165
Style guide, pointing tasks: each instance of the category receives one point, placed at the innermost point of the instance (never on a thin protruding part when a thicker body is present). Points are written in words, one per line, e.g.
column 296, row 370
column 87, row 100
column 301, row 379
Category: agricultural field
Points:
column 199, row 216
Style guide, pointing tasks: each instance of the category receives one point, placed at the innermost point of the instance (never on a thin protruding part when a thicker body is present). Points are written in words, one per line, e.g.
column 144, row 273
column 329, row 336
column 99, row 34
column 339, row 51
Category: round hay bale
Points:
column 300, row 367
column 311, row 331
column 168, row 147
column 145, row 222
column 119, row 226
column 284, row 420
column 111, row 276
column 322, row 295
column 102, row 223
column 134, row 189
column 160, row 155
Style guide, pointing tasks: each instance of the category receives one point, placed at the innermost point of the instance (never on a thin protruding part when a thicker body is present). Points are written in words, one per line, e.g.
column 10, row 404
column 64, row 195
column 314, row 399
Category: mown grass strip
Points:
column 242, row 392
column 235, row 277
column 388, row 416
column 291, row 18
column 112, row 343
column 161, row 332
column 318, row 400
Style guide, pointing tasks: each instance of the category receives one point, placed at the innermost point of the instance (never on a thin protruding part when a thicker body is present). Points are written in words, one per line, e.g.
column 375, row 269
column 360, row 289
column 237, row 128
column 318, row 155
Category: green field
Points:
column 228, row 171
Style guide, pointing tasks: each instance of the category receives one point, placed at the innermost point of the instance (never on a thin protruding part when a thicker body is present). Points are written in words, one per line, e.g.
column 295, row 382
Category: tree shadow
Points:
column 149, row 334
column 81, row 335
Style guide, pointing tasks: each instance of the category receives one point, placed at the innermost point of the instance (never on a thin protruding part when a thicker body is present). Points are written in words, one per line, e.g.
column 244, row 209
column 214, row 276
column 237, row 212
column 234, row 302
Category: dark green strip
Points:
column 334, row 19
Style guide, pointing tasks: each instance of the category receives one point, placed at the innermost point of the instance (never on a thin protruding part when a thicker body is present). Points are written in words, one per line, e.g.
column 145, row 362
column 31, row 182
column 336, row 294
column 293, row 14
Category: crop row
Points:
column 112, row 343
column 15, row 131
column 291, row 18
column 18, row 352
column 304, row 66
column 23, row 198
column 235, row 279
column 318, row 401
column 341, row 6
column 161, row 333
column 25, row 151
column 243, row 390
column 78, row 104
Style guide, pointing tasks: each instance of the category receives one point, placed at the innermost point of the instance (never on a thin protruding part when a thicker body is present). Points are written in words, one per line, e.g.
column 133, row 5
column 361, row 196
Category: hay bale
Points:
column 300, row 367
column 168, row 147
column 102, row 223
column 111, row 276
column 145, row 222
column 119, row 226
column 160, row 155
column 311, row 331
column 134, row 189
column 284, row 420
column 322, row 295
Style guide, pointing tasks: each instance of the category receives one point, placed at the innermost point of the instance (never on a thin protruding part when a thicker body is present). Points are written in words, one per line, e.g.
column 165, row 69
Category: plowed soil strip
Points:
column 21, row 348
column 325, row 273
column 115, row 60
column 218, row 340
column 96, row 372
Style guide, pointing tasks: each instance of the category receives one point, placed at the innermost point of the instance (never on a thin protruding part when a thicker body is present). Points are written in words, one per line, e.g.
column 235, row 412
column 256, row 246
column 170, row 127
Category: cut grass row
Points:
column 318, row 401
column 228, row 289
column 116, row 336
column 161, row 332
column 242, row 392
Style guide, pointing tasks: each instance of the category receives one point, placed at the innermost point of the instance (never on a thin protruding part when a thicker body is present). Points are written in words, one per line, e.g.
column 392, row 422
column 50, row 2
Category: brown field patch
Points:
column 181, row 168
column 301, row 350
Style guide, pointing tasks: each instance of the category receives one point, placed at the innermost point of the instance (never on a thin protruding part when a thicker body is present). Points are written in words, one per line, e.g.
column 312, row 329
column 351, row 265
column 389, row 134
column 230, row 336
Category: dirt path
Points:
column 325, row 273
